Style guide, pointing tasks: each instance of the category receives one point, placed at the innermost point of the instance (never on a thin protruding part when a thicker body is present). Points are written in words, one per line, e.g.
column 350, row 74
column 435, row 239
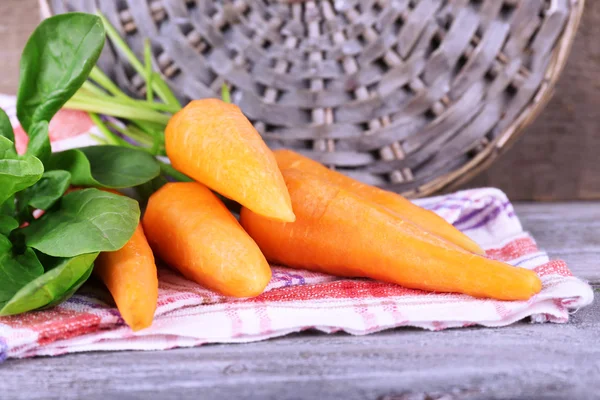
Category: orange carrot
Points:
column 426, row 219
column 130, row 276
column 341, row 233
column 192, row 230
column 214, row 143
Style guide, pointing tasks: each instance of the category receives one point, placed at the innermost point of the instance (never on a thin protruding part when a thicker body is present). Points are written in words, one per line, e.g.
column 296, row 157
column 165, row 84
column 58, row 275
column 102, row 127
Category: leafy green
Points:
column 7, row 224
column 106, row 166
column 87, row 221
column 55, row 62
column 56, row 285
column 158, row 84
column 59, row 298
column 6, row 129
column 47, row 191
column 16, row 172
column 8, row 207
column 16, row 270
column 121, row 167
column 45, row 262
column 144, row 191
column 7, row 148
column 39, row 142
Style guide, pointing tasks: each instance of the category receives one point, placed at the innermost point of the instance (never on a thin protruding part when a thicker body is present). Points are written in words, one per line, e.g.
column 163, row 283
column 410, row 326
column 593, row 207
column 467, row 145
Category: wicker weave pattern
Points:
column 403, row 94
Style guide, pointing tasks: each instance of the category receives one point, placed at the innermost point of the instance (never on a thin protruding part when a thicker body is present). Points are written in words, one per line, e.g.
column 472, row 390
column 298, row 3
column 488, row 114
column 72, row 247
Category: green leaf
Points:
column 8, row 207
column 39, row 142
column 55, row 286
column 16, row 172
column 16, row 270
column 55, row 62
column 71, row 291
column 47, row 191
column 87, row 221
column 6, row 129
column 106, row 166
column 7, row 224
column 146, row 190
column 7, row 148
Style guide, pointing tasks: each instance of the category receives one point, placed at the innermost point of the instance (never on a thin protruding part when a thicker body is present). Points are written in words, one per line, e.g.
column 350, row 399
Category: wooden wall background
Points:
column 558, row 158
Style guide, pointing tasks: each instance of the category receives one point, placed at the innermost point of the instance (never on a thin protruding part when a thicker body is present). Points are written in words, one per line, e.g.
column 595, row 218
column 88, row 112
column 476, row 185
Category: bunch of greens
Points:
column 141, row 123
column 130, row 122
column 43, row 261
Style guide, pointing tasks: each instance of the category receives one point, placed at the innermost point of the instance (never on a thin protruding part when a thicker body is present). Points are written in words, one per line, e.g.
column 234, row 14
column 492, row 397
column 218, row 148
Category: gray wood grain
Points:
column 569, row 231
column 523, row 361
column 520, row 362
column 18, row 18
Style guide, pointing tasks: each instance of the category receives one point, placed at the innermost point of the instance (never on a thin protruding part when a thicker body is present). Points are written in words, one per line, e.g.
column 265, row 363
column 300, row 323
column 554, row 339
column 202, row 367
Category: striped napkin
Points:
column 295, row 300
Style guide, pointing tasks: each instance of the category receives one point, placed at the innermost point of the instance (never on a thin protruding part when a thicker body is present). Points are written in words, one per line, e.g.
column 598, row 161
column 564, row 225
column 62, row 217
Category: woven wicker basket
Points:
column 410, row 95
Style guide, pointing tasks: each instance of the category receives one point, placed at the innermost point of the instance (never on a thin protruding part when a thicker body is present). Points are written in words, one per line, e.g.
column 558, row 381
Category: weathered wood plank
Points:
column 18, row 18
column 522, row 361
column 569, row 231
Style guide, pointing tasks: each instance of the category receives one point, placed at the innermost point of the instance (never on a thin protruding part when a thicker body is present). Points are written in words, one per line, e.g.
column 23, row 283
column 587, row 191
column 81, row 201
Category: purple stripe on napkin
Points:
column 470, row 215
column 492, row 214
column 3, row 349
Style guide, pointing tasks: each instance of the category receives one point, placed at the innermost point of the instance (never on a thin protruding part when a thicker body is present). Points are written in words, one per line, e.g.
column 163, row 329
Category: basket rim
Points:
column 505, row 140
column 517, row 128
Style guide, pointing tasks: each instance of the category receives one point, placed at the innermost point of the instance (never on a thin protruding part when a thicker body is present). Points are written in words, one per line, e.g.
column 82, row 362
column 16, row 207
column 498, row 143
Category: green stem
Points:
column 92, row 89
column 107, row 84
column 148, row 70
column 137, row 132
column 168, row 169
column 109, row 135
column 118, row 110
column 158, row 84
column 129, row 102
column 120, row 44
column 158, row 106
column 143, row 139
column 100, row 140
column 150, row 128
column 155, row 149
column 164, row 91
column 225, row 94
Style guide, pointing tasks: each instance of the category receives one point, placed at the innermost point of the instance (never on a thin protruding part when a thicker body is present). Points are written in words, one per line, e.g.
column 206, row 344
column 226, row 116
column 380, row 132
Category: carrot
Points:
column 214, row 143
column 192, row 230
column 404, row 208
column 341, row 233
column 130, row 276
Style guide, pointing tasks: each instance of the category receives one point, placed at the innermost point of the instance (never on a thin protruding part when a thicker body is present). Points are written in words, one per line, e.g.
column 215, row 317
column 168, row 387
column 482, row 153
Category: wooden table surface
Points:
column 523, row 361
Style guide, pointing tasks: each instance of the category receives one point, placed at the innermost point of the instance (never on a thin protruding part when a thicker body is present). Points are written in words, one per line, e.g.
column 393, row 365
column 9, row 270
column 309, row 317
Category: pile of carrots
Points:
column 295, row 212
